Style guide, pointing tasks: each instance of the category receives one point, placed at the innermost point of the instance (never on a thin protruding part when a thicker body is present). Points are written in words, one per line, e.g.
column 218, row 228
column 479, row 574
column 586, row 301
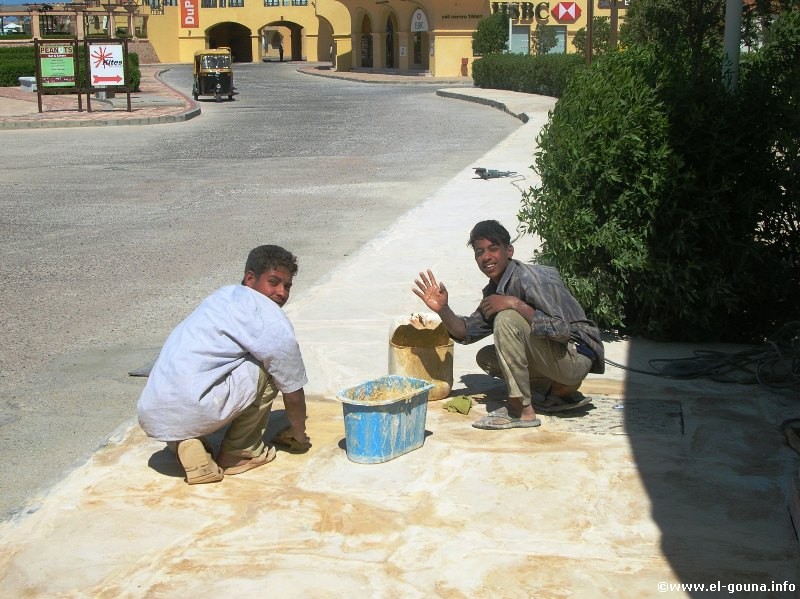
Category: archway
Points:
column 420, row 41
column 234, row 36
column 325, row 44
column 366, row 43
column 282, row 41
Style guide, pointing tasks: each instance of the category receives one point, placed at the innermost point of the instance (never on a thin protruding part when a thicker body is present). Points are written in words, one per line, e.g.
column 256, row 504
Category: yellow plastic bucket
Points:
column 421, row 348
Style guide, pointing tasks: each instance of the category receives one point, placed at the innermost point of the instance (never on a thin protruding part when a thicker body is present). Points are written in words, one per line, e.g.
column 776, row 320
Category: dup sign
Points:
column 189, row 14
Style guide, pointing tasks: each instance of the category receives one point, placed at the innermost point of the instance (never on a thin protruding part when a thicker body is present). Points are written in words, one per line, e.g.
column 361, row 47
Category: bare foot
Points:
column 560, row 390
column 517, row 410
column 237, row 465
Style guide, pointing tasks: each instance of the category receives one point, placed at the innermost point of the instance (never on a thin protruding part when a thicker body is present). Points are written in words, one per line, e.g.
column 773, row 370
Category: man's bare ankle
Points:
column 560, row 390
column 521, row 411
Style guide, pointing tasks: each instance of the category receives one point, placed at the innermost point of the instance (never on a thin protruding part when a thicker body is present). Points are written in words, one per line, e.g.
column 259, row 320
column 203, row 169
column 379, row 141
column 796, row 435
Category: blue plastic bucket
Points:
column 384, row 418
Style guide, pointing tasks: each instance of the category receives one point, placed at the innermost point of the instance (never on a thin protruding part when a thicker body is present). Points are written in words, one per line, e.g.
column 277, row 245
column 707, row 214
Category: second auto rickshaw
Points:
column 213, row 75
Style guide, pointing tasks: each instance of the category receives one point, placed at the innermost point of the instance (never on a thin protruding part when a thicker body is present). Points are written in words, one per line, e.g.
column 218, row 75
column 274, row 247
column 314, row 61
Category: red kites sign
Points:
column 566, row 12
column 190, row 16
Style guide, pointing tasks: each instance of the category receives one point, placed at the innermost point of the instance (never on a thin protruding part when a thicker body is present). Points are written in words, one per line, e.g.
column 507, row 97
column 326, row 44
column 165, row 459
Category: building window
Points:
column 236, row 3
column 561, row 39
column 208, row 3
column 272, row 2
column 299, row 2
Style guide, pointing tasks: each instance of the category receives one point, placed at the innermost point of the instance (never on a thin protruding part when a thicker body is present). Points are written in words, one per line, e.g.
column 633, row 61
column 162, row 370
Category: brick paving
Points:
column 19, row 109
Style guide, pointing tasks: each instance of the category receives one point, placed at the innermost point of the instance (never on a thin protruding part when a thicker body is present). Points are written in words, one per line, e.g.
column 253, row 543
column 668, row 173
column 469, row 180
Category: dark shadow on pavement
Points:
column 717, row 472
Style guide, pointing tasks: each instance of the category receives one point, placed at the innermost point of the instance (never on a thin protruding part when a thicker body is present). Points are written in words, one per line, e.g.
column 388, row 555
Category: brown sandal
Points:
column 198, row 463
column 249, row 463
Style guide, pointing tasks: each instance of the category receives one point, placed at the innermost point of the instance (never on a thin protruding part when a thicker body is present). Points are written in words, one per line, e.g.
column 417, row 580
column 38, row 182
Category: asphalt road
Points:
column 110, row 236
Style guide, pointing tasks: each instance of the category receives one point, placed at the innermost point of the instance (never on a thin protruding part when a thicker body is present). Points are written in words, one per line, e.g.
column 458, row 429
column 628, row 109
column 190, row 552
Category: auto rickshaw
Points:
column 213, row 75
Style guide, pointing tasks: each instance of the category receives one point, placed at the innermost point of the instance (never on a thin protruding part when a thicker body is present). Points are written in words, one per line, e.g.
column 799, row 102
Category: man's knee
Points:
column 510, row 321
column 510, row 329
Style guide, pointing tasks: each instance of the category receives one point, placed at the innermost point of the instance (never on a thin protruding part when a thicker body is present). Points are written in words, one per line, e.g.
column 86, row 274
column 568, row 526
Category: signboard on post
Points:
column 106, row 65
column 57, row 68
column 106, row 68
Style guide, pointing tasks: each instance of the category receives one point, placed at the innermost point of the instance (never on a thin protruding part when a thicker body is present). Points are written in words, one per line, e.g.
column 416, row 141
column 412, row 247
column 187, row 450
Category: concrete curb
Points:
column 152, row 120
column 485, row 101
column 404, row 80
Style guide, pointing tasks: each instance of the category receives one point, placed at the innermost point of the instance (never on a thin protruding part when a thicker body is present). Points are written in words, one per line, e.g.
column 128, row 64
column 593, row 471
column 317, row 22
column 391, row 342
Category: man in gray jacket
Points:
column 544, row 345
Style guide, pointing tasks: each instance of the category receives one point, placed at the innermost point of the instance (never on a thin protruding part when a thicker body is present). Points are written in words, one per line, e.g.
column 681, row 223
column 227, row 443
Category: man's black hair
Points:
column 490, row 230
column 267, row 257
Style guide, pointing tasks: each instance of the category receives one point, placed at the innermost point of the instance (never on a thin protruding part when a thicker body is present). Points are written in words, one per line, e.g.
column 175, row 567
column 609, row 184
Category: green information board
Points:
column 57, row 69
column 57, row 63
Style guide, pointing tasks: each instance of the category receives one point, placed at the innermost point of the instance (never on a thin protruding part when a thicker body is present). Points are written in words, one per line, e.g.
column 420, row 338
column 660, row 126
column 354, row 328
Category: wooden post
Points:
column 589, row 19
column 612, row 40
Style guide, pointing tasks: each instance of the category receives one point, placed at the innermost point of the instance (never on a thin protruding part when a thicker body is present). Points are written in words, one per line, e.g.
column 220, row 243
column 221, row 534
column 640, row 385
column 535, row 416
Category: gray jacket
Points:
column 558, row 315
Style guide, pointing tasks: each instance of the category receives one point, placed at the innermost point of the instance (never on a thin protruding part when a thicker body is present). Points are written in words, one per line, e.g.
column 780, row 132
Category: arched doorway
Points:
column 420, row 41
column 366, row 43
column 234, row 36
column 325, row 45
column 282, row 41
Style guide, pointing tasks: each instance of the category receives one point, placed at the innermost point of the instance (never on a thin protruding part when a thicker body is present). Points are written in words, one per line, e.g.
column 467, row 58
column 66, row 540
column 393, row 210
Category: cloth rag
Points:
column 460, row 404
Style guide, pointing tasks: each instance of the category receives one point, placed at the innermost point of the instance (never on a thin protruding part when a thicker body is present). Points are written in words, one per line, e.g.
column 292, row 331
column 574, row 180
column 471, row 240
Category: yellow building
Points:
column 424, row 37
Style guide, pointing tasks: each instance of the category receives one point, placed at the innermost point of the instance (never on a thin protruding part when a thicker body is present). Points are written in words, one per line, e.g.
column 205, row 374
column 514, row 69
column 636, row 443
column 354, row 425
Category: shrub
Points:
column 134, row 73
column 12, row 69
column 604, row 162
column 546, row 74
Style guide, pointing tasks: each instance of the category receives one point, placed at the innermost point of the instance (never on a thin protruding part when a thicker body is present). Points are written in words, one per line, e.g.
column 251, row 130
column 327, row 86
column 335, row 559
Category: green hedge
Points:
column 20, row 61
column 547, row 74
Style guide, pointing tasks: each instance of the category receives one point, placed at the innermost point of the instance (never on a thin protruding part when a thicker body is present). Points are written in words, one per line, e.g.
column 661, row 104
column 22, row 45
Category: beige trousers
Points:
column 530, row 364
column 245, row 435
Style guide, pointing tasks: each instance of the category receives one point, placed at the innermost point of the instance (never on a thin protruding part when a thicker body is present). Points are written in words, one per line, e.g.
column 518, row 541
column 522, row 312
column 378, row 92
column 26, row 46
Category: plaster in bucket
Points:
column 420, row 347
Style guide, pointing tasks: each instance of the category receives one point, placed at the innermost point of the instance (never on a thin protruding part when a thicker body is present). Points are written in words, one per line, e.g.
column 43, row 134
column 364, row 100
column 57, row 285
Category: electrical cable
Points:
column 491, row 173
column 775, row 364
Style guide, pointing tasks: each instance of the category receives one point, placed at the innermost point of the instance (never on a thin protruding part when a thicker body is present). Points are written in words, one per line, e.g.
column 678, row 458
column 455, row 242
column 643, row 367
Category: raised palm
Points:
column 429, row 291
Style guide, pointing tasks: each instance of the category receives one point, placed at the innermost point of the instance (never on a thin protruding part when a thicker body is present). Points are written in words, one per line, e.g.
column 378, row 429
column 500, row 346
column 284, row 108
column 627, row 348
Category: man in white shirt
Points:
column 224, row 365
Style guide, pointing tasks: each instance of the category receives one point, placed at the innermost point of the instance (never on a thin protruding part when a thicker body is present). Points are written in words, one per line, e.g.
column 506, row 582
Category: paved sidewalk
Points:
column 661, row 482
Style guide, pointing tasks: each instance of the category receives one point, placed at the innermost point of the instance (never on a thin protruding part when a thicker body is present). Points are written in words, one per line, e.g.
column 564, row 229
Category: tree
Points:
column 601, row 36
column 544, row 40
column 491, row 35
column 678, row 27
